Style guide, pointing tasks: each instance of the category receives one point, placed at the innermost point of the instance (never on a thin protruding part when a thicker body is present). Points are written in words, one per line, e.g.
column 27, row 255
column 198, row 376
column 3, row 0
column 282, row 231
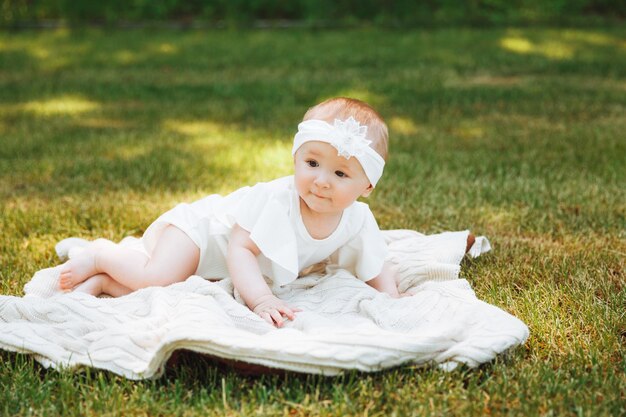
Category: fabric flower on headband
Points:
column 349, row 138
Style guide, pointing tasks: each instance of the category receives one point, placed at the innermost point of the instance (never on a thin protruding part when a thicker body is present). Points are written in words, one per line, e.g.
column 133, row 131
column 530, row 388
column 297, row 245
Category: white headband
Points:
column 348, row 137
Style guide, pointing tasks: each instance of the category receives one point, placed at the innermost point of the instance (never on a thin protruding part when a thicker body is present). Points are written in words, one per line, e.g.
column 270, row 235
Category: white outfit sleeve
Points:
column 365, row 254
column 263, row 212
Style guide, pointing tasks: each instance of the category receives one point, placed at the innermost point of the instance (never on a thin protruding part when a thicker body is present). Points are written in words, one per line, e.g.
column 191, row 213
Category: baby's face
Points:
column 326, row 182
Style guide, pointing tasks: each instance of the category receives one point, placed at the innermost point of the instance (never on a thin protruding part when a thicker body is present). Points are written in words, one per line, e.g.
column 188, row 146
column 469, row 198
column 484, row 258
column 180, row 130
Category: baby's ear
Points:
column 368, row 191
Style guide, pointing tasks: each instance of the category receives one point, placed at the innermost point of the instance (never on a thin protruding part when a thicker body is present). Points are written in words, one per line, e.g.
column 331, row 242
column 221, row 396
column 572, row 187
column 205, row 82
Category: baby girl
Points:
column 275, row 229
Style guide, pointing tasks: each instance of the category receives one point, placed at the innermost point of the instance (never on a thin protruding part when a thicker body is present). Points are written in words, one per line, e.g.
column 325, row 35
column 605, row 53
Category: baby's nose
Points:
column 322, row 180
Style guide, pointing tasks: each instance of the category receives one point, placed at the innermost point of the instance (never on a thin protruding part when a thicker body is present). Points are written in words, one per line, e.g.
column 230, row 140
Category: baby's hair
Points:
column 342, row 108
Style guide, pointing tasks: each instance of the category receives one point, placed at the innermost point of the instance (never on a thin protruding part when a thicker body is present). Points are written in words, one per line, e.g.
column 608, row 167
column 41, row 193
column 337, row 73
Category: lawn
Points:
column 517, row 134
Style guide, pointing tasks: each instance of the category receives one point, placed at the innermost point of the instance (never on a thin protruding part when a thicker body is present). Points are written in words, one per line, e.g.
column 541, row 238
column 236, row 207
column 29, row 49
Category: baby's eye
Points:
column 312, row 163
column 340, row 174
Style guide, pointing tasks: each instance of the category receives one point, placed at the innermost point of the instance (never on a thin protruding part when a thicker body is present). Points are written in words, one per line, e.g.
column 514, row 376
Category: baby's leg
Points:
column 83, row 265
column 174, row 259
column 102, row 284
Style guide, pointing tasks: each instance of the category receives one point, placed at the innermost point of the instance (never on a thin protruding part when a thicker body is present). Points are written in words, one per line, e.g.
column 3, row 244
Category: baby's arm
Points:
column 386, row 281
column 247, row 278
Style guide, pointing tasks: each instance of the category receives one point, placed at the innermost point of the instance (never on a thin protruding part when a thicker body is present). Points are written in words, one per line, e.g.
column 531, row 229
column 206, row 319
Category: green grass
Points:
column 518, row 134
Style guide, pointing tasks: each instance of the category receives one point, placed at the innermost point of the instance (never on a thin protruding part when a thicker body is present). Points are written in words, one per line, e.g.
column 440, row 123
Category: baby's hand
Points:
column 272, row 309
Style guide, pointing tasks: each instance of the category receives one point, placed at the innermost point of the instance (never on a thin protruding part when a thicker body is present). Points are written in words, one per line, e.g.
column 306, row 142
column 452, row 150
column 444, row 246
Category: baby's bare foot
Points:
column 78, row 269
column 93, row 285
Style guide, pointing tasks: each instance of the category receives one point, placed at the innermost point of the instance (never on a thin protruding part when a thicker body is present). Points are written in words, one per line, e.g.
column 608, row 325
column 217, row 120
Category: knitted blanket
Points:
column 345, row 324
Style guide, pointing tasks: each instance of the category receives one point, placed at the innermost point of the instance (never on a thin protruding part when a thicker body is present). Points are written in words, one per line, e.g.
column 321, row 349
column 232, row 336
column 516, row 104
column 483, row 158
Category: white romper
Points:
column 271, row 213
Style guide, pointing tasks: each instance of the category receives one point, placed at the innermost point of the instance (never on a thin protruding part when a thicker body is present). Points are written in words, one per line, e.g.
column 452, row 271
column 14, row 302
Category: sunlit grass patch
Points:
column 403, row 126
column 102, row 123
column 594, row 38
column 63, row 105
column 196, row 128
column 559, row 45
column 166, row 48
column 551, row 49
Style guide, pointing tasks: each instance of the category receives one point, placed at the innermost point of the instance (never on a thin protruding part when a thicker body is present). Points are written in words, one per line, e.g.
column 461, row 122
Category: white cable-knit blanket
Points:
column 344, row 324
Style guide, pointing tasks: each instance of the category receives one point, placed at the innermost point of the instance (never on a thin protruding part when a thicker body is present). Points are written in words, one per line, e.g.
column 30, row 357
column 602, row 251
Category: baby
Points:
column 275, row 229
